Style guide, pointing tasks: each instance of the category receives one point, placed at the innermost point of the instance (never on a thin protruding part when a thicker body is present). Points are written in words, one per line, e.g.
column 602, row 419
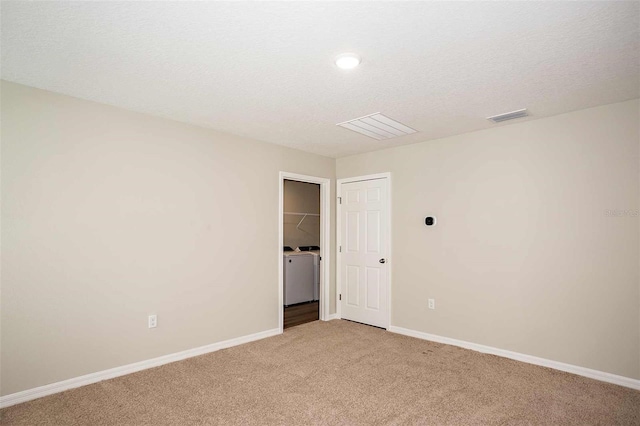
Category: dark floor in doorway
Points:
column 300, row 314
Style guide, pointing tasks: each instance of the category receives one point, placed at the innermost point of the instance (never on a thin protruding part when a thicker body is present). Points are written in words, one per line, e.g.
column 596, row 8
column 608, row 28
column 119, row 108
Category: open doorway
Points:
column 301, row 239
column 304, row 249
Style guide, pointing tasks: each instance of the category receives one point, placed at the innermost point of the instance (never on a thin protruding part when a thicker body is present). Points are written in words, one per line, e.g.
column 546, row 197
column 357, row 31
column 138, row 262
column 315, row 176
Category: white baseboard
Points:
column 574, row 369
column 332, row 317
column 29, row 394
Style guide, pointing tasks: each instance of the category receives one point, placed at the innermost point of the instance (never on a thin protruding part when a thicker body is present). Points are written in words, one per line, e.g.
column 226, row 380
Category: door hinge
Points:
column 340, row 200
column 340, row 249
column 340, row 296
column 320, row 257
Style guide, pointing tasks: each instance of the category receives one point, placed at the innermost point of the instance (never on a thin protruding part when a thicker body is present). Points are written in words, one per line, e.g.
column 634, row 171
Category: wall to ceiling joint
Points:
column 537, row 240
column 109, row 216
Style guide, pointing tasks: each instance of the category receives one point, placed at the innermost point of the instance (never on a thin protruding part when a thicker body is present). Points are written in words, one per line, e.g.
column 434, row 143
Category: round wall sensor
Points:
column 347, row 61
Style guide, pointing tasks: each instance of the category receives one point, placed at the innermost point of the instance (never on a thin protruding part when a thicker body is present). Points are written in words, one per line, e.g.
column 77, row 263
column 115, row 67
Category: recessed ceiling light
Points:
column 347, row 61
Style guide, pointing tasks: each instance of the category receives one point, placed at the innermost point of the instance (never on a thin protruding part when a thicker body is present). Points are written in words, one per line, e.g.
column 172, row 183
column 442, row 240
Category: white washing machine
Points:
column 315, row 251
column 299, row 277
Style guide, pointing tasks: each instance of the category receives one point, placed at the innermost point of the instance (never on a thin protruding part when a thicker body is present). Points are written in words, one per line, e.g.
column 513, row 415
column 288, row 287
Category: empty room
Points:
column 331, row 213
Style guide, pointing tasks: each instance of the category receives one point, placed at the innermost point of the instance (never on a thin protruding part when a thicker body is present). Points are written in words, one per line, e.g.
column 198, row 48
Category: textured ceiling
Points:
column 265, row 70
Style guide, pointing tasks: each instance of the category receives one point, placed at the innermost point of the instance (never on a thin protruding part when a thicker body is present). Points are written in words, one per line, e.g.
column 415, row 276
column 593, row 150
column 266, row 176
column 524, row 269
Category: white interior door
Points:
column 364, row 242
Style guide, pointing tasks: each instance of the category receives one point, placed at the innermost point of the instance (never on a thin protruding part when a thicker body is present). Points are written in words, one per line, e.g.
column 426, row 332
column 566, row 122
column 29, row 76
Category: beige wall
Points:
column 523, row 256
column 110, row 215
column 301, row 197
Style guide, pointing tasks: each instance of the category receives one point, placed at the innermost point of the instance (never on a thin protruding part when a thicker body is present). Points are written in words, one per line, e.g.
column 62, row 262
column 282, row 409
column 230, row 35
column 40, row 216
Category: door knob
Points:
column 382, row 261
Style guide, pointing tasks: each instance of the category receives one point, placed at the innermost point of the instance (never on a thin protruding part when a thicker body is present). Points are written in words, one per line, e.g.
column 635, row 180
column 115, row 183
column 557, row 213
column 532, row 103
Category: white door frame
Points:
column 325, row 242
column 339, row 183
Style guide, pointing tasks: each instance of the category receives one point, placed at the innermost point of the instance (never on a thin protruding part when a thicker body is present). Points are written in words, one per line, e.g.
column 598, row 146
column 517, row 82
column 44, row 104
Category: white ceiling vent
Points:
column 509, row 116
column 377, row 126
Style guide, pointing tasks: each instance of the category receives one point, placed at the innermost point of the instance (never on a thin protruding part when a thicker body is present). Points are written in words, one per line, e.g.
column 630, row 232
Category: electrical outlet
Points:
column 432, row 303
column 153, row 321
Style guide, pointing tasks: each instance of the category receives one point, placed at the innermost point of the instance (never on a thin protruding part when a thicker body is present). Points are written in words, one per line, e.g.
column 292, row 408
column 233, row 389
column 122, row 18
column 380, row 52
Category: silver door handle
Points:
column 382, row 261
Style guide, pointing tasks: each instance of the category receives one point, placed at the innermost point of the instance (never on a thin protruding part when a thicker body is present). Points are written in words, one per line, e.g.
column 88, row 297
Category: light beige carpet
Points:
column 338, row 373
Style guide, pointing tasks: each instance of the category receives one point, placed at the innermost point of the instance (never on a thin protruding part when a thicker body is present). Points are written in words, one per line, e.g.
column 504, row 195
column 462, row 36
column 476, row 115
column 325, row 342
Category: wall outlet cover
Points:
column 153, row 321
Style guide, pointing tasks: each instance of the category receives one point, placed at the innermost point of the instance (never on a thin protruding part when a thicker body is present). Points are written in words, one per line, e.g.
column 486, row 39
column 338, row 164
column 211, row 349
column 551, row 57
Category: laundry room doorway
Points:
column 304, row 238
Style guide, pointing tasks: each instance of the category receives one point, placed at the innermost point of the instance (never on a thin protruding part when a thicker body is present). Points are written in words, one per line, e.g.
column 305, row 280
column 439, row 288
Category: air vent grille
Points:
column 377, row 126
column 508, row 116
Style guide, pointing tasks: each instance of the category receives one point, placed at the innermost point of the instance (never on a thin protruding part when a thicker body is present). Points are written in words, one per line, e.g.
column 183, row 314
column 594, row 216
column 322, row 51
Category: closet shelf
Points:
column 304, row 216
